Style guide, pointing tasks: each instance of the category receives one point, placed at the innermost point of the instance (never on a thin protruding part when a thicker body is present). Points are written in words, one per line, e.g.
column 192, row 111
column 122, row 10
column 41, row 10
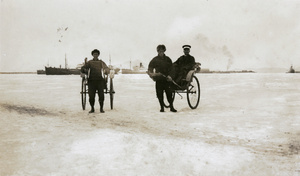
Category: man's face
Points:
column 186, row 51
column 161, row 52
column 95, row 55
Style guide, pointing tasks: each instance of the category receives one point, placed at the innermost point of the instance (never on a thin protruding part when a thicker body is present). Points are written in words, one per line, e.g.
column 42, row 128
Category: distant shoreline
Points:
column 202, row 72
column 17, row 72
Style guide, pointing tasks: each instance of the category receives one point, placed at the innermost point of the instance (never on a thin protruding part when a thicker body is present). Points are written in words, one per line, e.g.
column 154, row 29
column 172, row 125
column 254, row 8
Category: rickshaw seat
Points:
column 189, row 76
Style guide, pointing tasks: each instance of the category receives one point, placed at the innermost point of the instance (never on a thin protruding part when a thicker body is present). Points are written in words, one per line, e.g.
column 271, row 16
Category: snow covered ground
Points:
column 246, row 124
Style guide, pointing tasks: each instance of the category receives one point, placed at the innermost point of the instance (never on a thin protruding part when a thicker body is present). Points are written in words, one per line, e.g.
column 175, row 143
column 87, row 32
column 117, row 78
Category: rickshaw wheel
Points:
column 111, row 94
column 83, row 93
column 193, row 93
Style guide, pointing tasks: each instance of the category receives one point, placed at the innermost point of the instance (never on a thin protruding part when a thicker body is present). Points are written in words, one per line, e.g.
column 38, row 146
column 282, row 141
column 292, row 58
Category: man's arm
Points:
column 177, row 61
column 106, row 70
column 190, row 64
column 150, row 67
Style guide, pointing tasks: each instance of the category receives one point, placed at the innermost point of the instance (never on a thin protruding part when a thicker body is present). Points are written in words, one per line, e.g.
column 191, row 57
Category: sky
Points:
column 224, row 35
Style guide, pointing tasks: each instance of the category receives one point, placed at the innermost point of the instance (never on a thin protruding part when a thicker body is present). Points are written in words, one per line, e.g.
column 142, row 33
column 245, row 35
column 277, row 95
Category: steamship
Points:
column 63, row 71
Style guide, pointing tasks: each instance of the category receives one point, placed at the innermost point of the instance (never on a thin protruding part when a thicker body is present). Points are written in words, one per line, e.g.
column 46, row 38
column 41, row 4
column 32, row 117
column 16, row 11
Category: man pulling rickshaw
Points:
column 159, row 69
column 177, row 77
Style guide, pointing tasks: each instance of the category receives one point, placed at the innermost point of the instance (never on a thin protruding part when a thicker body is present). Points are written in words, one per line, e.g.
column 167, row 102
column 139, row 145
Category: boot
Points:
column 92, row 102
column 92, row 110
column 162, row 107
column 170, row 100
column 101, row 107
column 172, row 109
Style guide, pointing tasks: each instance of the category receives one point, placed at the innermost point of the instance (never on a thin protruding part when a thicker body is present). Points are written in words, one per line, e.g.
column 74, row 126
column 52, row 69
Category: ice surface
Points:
column 245, row 124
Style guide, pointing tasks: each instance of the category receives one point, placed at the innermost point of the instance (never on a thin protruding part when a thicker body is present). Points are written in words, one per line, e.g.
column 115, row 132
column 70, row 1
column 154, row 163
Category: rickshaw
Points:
column 190, row 86
column 107, row 90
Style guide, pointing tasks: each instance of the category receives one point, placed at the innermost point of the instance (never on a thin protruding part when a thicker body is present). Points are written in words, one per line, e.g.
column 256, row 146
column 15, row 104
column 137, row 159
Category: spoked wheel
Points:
column 111, row 94
column 193, row 93
column 83, row 92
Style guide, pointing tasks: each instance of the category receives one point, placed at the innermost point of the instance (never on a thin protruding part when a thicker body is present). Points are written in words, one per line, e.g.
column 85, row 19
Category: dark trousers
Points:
column 161, row 87
column 96, row 85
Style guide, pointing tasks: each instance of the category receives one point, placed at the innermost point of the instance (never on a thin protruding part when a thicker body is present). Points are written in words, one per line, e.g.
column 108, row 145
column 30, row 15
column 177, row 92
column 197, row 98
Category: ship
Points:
column 41, row 72
column 292, row 70
column 63, row 71
column 136, row 70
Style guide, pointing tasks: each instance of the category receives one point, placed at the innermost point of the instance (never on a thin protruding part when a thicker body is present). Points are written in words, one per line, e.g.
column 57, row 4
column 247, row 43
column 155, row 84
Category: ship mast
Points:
column 66, row 64
column 109, row 59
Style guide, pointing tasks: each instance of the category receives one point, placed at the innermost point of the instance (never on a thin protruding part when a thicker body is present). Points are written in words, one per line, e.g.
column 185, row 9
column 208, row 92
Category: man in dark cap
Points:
column 182, row 65
column 95, row 69
column 158, row 69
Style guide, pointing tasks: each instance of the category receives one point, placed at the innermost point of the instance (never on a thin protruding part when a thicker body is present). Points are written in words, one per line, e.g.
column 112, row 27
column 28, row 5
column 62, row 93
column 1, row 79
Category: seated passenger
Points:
column 182, row 65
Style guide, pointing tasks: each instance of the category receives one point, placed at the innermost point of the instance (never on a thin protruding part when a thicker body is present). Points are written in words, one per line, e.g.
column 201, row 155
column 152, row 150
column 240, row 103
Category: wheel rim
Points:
column 83, row 94
column 193, row 93
column 111, row 93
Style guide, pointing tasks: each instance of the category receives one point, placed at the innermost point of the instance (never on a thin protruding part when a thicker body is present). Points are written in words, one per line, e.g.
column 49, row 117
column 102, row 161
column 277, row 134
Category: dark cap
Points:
column 186, row 46
column 95, row 51
column 159, row 47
